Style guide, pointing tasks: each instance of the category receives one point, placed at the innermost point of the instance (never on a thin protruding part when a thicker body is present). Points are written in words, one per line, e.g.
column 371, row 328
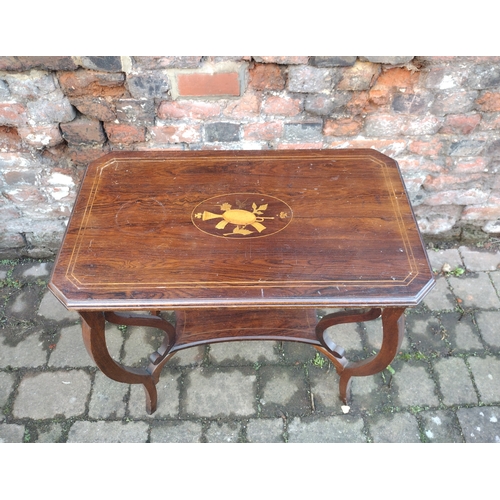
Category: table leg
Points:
column 392, row 336
column 93, row 329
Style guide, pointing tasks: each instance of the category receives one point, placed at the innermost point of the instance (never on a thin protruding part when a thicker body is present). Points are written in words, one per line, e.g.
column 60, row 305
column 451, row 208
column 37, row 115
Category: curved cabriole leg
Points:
column 328, row 348
column 93, row 329
column 392, row 336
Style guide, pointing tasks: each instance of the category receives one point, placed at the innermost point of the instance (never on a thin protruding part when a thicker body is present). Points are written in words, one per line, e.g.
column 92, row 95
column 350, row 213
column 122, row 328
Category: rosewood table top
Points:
column 298, row 228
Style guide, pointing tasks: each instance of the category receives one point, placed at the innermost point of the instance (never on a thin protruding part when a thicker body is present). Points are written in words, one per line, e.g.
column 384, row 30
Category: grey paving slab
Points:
column 489, row 326
column 70, row 350
column 265, row 430
column 109, row 398
column 346, row 335
column 49, row 432
column 283, row 390
column 486, row 373
column 461, row 332
column 34, row 270
column 480, row 260
column 11, row 433
column 480, row 424
column 6, row 386
column 441, row 426
column 219, row 432
column 475, row 291
column 22, row 304
column 177, row 432
column 415, row 386
column 374, row 335
column 140, row 343
column 440, row 297
column 495, row 278
column 455, row 382
column 28, row 352
column 425, row 334
column 396, row 428
column 52, row 394
column 450, row 258
column 51, row 308
column 229, row 353
column 335, row 429
column 192, row 356
column 108, row 432
column 168, row 398
column 212, row 393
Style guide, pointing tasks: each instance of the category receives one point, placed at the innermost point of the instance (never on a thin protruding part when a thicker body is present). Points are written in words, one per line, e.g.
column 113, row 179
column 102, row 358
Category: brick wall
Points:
column 439, row 117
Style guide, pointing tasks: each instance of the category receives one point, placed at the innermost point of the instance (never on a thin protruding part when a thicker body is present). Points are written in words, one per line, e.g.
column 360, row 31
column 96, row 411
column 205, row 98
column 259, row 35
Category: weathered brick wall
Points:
column 438, row 116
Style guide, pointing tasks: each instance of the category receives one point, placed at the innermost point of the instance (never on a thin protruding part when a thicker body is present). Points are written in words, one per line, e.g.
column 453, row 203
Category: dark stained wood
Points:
column 346, row 234
column 243, row 245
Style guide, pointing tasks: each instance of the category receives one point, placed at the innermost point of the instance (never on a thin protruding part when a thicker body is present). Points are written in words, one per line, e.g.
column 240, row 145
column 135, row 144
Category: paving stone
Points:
column 283, row 390
column 141, row 342
column 495, row 278
column 425, row 334
column 50, row 433
column 188, row 357
column 71, row 351
column 28, row 353
column 223, row 432
column 51, row 308
column 6, row 386
column 298, row 352
column 486, row 373
column 108, row 398
column 488, row 323
column 398, row 428
column 480, row 424
column 243, row 352
column 264, row 430
column 480, row 261
column 22, row 305
column 374, row 335
column 440, row 297
column 336, row 429
column 37, row 270
column 222, row 392
column 108, row 432
column 454, row 382
column 460, row 332
column 441, row 426
column 415, row 386
column 475, row 291
column 177, row 432
column 346, row 335
column 11, row 433
column 168, row 398
column 52, row 394
column 439, row 258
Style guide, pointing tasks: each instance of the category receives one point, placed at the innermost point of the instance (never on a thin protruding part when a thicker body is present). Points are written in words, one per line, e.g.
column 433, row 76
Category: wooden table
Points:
column 241, row 245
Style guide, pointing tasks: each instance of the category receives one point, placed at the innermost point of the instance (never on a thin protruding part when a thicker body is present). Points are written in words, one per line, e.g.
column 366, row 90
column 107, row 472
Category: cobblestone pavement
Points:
column 443, row 386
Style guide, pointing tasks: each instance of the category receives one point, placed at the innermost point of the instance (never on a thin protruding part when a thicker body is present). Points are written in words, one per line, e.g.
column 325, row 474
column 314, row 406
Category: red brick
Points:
column 83, row 130
column 474, row 165
column 263, row 131
column 187, row 109
column 41, row 135
column 428, row 148
column 308, row 145
column 12, row 114
column 490, row 122
column 447, row 181
column 285, row 106
column 361, row 103
column 489, row 102
column 488, row 212
column 24, row 63
column 10, row 139
column 99, row 108
column 420, row 164
column 359, row 77
column 389, row 147
column 380, row 97
column 342, row 127
column 248, row 105
column 83, row 156
column 27, row 194
column 92, row 83
column 400, row 78
column 172, row 134
column 282, row 59
column 207, row 84
column 266, row 77
column 460, row 124
column 422, row 125
column 123, row 133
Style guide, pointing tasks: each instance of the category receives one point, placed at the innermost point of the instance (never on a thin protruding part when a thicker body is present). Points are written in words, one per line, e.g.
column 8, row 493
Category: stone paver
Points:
column 108, row 432
column 442, row 387
column 454, row 382
column 48, row 395
column 480, row 424
column 486, row 372
column 337, row 429
column 475, row 291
